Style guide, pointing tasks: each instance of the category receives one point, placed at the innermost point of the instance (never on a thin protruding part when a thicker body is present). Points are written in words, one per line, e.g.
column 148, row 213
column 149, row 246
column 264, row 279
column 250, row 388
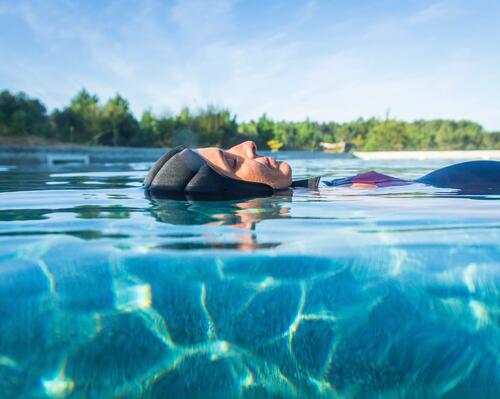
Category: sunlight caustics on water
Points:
column 335, row 292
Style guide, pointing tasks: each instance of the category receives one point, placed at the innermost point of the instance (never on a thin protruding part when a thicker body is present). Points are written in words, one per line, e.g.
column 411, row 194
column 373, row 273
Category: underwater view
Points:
column 336, row 292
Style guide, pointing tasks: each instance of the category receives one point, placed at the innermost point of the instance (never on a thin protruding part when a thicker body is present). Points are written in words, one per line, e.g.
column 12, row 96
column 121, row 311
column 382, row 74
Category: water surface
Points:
column 104, row 292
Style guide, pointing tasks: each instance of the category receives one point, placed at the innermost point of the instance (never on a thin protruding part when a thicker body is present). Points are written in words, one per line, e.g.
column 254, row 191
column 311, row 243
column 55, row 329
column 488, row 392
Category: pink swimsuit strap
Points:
column 373, row 178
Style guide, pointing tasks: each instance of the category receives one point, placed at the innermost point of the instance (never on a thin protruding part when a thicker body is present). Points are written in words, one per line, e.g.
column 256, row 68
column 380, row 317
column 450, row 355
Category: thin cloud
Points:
column 305, row 59
column 434, row 11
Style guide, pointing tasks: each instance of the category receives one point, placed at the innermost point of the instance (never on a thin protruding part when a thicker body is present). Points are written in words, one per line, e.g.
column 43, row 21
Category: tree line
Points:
column 87, row 121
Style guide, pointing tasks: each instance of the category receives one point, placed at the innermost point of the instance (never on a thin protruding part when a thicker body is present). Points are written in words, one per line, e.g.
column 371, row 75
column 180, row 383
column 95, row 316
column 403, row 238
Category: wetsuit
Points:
column 473, row 176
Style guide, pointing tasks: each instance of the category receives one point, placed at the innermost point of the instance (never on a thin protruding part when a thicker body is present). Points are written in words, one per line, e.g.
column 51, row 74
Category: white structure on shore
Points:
column 427, row 155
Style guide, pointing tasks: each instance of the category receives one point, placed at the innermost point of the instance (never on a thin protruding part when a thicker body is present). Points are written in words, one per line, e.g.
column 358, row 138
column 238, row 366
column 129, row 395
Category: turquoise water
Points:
column 338, row 292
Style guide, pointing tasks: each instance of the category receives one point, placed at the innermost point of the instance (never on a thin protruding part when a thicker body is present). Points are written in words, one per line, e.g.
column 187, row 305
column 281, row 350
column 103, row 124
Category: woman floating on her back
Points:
column 241, row 171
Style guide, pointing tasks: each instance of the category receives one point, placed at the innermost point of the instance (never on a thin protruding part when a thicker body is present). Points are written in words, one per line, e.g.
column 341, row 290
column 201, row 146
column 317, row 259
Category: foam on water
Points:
column 330, row 293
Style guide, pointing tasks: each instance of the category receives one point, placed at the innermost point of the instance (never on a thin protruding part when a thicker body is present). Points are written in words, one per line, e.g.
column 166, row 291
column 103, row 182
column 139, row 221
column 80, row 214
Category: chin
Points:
column 286, row 169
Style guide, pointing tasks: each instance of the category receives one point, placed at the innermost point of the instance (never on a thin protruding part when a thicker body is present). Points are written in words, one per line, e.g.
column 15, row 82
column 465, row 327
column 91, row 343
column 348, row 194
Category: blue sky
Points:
column 327, row 60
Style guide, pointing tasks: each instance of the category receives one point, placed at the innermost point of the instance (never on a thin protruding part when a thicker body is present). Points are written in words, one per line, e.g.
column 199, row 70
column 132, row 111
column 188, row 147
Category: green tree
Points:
column 119, row 127
column 287, row 133
column 214, row 126
column 148, row 134
column 264, row 131
column 85, row 121
column 491, row 141
column 422, row 135
column 68, row 126
column 459, row 135
column 166, row 130
column 308, row 135
column 80, row 121
column 183, row 131
column 21, row 115
column 390, row 135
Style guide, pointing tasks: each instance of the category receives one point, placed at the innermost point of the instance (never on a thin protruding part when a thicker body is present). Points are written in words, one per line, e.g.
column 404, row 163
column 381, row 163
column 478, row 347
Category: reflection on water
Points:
column 241, row 214
column 332, row 293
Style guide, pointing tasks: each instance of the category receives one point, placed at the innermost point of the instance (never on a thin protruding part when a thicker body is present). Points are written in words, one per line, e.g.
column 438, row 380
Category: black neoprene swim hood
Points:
column 182, row 173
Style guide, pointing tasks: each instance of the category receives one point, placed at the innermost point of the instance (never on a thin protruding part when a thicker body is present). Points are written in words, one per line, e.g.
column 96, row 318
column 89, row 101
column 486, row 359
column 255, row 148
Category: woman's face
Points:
column 242, row 162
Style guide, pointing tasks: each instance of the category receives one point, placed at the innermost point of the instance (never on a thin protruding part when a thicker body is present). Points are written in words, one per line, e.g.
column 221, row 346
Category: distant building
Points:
column 340, row 147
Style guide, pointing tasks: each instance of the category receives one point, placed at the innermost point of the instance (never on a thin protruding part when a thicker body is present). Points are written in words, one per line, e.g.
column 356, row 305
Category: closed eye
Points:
column 231, row 162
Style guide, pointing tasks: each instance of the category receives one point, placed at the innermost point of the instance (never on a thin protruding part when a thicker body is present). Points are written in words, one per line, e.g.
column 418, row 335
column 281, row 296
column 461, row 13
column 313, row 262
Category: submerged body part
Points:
column 472, row 176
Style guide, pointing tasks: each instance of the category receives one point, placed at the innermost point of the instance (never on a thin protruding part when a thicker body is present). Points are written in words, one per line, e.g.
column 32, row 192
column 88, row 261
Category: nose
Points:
column 247, row 149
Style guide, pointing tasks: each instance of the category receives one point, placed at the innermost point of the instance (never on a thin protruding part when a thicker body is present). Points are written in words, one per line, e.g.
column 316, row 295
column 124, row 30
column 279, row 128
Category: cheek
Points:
column 254, row 172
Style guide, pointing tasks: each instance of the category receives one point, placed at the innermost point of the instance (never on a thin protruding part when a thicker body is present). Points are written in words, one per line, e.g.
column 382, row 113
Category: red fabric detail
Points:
column 378, row 179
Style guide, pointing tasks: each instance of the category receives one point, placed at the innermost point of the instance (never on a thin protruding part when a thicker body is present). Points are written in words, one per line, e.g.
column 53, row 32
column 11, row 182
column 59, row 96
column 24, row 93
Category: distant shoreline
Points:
column 428, row 155
column 44, row 154
column 88, row 121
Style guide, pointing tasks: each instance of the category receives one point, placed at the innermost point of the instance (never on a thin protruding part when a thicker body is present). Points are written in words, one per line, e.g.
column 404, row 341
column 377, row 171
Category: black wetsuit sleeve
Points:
column 474, row 176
